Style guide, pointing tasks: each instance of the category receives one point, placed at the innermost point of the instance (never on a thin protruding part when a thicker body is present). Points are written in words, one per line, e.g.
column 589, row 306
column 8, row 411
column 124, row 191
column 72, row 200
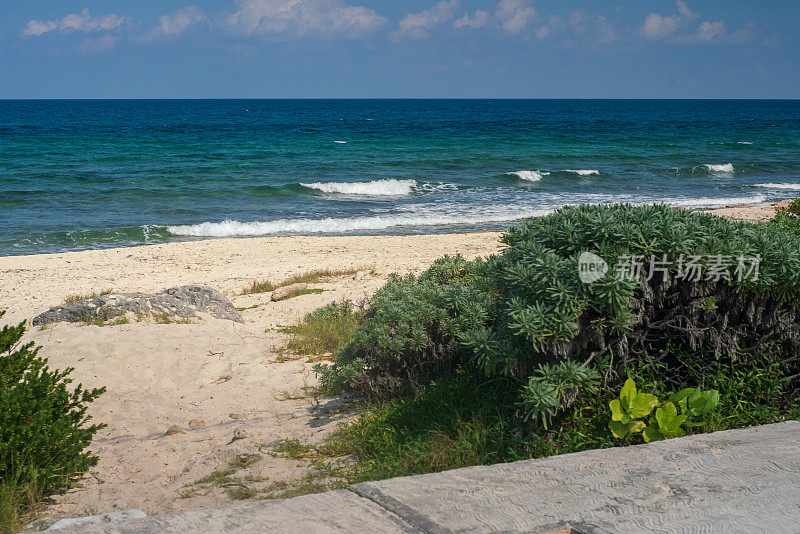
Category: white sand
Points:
column 159, row 375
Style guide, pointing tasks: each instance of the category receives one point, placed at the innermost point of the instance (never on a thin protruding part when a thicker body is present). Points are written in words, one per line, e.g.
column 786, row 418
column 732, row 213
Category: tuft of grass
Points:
column 18, row 505
column 320, row 275
column 221, row 477
column 76, row 298
column 313, row 482
column 95, row 319
column 122, row 319
column 294, row 449
column 162, row 318
column 241, row 493
column 324, row 331
column 259, row 286
column 298, row 292
column 309, row 277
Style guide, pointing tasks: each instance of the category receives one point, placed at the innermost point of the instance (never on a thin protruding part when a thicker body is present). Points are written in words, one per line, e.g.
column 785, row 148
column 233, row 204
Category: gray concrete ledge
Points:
column 744, row 481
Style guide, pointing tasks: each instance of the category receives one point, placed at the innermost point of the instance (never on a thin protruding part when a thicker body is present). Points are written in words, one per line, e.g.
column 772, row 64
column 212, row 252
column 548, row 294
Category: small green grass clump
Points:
column 77, row 298
column 309, row 277
column 320, row 275
column 259, row 286
column 294, row 449
column 299, row 292
column 323, row 331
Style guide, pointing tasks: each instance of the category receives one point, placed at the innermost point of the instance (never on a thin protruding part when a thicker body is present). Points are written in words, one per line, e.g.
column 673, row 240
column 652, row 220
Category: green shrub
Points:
column 526, row 308
column 44, row 428
column 406, row 338
column 325, row 330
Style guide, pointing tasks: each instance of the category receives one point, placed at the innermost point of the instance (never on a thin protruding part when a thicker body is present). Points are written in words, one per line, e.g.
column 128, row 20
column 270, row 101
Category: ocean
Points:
column 88, row 174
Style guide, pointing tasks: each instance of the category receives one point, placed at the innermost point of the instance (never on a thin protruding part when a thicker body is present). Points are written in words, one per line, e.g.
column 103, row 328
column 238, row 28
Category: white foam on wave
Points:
column 780, row 186
column 743, row 143
column 529, row 176
column 707, row 202
column 229, row 228
column 388, row 187
column 583, row 172
column 719, row 167
column 341, row 142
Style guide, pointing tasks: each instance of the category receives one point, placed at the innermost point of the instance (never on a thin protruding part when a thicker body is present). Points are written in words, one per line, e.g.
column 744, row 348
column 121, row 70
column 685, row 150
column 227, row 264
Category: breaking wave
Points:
column 389, row 187
column 583, row 172
column 229, row 228
column 780, row 186
column 720, row 167
column 529, row 176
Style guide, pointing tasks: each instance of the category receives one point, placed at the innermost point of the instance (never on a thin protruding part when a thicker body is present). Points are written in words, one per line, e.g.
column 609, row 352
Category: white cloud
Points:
column 84, row 22
column 79, row 22
column 173, row 24
column 677, row 28
column 709, row 31
column 36, row 27
column 301, row 17
column 416, row 24
column 683, row 9
column 514, row 15
column 657, row 27
column 479, row 19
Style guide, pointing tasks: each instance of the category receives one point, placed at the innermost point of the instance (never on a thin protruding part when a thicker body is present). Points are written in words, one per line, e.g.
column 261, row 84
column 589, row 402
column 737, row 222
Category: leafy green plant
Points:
column 665, row 423
column 629, row 411
column 696, row 403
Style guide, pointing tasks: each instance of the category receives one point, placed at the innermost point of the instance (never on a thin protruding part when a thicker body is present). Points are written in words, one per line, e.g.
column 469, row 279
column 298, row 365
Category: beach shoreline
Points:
column 209, row 377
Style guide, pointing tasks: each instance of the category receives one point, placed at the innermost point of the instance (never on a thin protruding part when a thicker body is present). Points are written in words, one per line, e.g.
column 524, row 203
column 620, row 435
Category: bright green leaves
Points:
column 628, row 412
column 630, row 407
column 636, row 404
column 696, row 403
column 664, row 424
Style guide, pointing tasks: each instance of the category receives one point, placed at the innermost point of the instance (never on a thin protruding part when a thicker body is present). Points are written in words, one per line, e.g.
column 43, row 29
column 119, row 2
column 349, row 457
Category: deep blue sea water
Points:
column 90, row 174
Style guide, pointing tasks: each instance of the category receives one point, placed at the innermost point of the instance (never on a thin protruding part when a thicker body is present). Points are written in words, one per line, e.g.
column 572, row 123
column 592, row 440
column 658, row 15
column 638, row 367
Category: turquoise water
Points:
column 90, row 174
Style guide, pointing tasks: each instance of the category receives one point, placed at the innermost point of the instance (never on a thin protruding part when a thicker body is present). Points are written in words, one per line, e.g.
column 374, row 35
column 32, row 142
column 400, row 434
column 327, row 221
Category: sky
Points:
column 400, row 49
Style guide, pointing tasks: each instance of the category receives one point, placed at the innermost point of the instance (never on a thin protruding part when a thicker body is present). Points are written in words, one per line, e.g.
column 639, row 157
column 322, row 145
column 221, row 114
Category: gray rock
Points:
column 182, row 301
column 122, row 515
column 40, row 524
column 359, row 275
column 282, row 292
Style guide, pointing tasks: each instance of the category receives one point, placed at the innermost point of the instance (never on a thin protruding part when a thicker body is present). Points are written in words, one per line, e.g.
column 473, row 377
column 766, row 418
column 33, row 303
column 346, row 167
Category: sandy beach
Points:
column 221, row 376
column 211, row 378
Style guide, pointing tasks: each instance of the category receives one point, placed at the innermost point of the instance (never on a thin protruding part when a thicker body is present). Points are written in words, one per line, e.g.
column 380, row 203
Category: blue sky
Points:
column 400, row 49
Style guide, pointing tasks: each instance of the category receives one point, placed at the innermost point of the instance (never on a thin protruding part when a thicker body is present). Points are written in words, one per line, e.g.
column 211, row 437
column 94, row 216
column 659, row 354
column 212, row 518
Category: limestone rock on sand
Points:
column 182, row 301
column 283, row 292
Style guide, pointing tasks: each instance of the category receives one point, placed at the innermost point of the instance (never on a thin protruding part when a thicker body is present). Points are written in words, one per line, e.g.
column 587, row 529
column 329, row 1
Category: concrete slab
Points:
column 744, row 481
column 322, row 513
column 735, row 481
